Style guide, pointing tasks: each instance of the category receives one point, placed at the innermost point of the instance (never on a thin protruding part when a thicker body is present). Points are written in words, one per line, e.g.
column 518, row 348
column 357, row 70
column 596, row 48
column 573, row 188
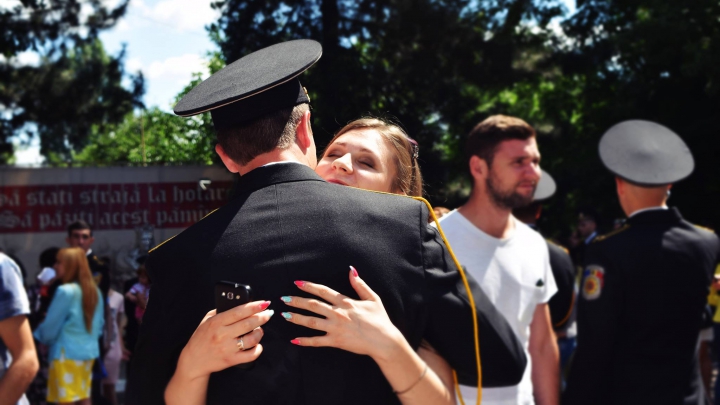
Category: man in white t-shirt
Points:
column 509, row 260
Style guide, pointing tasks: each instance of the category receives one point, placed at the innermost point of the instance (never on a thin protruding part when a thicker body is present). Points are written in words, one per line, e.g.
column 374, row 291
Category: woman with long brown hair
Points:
column 367, row 153
column 71, row 329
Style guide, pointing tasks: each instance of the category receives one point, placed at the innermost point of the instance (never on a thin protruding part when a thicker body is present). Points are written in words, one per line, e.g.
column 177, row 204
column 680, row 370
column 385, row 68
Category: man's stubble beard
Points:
column 506, row 199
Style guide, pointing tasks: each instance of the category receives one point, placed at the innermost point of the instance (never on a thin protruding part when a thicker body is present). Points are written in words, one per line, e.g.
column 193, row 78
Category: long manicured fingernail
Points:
column 264, row 305
column 354, row 272
column 271, row 312
column 285, row 298
column 286, row 315
column 295, row 341
column 300, row 283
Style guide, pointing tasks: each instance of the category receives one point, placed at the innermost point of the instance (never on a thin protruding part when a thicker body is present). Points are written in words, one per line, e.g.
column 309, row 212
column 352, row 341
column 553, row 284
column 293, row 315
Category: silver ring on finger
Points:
column 240, row 344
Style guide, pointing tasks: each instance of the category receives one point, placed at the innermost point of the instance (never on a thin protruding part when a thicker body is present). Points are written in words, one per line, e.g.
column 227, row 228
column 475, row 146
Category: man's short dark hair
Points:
column 79, row 225
column 483, row 140
column 243, row 143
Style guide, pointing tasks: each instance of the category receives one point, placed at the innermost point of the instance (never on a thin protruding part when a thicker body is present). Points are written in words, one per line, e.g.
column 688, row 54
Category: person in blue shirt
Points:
column 71, row 329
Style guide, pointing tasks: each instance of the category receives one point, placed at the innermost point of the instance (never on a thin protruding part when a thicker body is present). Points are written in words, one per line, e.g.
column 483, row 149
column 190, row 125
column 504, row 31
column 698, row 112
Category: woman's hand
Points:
column 361, row 327
column 215, row 345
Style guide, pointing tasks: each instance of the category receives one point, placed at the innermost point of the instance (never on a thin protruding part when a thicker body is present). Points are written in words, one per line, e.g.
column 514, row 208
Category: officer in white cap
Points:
column 644, row 286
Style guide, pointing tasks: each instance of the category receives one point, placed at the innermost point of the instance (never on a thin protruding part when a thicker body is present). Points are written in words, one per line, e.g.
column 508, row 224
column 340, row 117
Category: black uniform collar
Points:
column 273, row 174
column 656, row 216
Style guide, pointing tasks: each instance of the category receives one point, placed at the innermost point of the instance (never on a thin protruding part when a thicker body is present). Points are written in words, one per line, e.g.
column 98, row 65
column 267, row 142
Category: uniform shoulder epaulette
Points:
column 613, row 233
column 564, row 249
column 170, row 238
column 704, row 228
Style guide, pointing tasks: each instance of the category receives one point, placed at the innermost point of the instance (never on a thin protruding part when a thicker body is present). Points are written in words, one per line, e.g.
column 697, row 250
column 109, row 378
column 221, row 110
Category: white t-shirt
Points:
column 515, row 274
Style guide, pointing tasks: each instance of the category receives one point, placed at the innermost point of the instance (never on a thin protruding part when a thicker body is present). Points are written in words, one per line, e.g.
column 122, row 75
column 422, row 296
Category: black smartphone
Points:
column 229, row 295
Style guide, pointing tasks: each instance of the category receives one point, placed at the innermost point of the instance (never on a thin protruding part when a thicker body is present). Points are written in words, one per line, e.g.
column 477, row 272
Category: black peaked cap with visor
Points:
column 645, row 153
column 254, row 85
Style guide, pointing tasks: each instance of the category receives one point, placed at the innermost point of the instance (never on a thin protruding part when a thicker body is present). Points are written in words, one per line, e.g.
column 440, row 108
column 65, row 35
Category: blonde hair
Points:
column 408, row 179
column 77, row 270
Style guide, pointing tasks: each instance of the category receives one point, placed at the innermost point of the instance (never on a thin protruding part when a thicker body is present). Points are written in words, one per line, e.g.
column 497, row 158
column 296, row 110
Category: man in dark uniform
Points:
column 645, row 285
column 562, row 304
column 285, row 224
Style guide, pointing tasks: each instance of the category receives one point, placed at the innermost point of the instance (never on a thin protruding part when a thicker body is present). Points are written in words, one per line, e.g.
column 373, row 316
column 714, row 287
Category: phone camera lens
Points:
column 230, row 295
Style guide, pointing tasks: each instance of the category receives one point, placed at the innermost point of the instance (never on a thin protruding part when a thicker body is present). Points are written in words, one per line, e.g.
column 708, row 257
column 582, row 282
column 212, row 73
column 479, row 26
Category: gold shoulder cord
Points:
column 472, row 307
column 170, row 238
column 567, row 316
column 611, row 233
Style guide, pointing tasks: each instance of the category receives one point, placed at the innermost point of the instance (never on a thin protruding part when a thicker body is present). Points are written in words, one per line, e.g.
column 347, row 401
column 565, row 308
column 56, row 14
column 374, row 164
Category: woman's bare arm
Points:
column 213, row 347
column 363, row 327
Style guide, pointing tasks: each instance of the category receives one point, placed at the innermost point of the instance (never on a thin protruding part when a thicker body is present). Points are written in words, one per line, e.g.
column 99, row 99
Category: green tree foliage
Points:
column 74, row 87
column 167, row 138
column 438, row 66
column 652, row 59
column 442, row 66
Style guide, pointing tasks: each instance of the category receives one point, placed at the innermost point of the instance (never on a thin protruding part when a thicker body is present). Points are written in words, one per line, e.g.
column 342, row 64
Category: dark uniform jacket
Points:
column 640, row 312
column 101, row 274
column 561, row 304
column 284, row 224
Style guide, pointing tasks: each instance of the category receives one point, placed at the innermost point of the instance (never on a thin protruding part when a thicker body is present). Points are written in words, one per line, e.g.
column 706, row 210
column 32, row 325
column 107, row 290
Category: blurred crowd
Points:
column 65, row 337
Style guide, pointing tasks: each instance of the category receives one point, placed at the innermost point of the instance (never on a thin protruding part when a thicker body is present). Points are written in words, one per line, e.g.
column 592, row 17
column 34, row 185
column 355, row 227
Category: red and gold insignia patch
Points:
column 593, row 281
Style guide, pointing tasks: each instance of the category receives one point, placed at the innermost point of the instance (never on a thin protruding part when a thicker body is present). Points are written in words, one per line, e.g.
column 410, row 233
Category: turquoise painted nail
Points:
column 287, row 315
column 285, row 298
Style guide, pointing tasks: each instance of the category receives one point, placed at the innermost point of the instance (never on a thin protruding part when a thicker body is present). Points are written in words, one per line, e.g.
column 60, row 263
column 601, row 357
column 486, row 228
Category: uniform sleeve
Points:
column 49, row 330
column 450, row 326
column 599, row 309
column 163, row 333
column 561, row 304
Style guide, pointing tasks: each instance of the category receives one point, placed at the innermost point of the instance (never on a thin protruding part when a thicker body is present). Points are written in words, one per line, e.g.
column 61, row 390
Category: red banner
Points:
column 51, row 208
